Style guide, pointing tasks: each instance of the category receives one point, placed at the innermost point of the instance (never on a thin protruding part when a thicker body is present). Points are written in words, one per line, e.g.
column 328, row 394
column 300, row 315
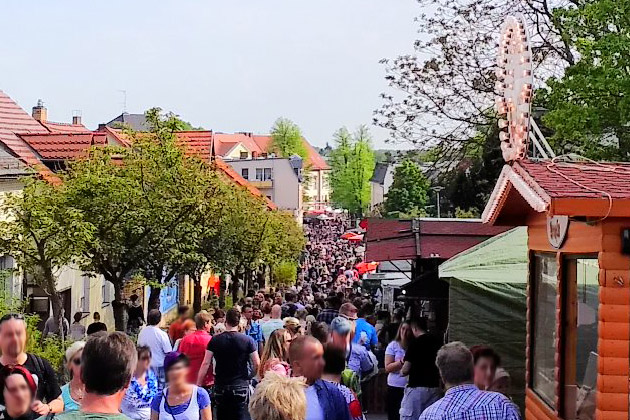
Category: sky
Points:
column 231, row 65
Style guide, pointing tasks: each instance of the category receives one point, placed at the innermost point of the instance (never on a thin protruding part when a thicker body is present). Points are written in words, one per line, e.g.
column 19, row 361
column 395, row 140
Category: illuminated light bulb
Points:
column 527, row 73
column 500, row 73
column 500, row 86
column 503, row 136
column 503, row 123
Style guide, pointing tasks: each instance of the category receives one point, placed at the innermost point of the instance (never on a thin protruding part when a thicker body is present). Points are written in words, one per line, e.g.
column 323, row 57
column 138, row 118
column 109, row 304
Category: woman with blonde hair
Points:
column 73, row 392
column 279, row 398
column 275, row 356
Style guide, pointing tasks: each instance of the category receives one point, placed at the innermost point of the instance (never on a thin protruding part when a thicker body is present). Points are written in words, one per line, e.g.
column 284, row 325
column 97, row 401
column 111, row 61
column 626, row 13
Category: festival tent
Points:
column 355, row 238
column 366, row 267
column 487, row 302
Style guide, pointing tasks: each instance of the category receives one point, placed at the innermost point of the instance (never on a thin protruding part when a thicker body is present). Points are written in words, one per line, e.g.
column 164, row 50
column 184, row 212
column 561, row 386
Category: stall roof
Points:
column 561, row 186
column 501, row 259
column 396, row 239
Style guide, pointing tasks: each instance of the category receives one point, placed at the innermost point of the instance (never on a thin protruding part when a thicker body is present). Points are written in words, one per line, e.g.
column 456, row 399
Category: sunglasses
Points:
column 77, row 361
column 8, row 317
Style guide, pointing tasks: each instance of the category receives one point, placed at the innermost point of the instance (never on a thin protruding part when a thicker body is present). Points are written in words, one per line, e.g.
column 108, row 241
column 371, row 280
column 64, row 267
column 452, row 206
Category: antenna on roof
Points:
column 124, row 102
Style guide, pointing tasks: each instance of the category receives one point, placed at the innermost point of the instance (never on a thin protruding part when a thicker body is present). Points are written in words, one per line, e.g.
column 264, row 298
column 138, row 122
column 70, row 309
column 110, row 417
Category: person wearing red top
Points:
column 176, row 329
column 194, row 346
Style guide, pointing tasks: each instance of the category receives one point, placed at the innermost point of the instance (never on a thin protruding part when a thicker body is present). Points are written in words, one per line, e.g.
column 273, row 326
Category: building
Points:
column 246, row 145
column 279, row 179
column 380, row 182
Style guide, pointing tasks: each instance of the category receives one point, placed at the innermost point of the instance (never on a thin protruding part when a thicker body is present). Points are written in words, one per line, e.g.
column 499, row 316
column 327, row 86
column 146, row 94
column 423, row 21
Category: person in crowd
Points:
column 180, row 400
column 365, row 333
column 107, row 364
column 13, row 348
column 142, row 389
column 136, row 315
column 324, row 400
column 253, row 328
column 74, row 391
column 157, row 340
column 77, row 330
column 176, row 329
column 349, row 311
column 189, row 327
column 394, row 361
column 233, row 352
column 275, row 355
column 333, row 303
column 18, row 391
column 292, row 325
column 486, row 362
column 219, row 316
column 279, row 398
column 97, row 325
column 319, row 330
column 359, row 360
column 266, row 312
column 335, row 364
column 51, row 326
column 274, row 323
column 463, row 400
column 423, row 386
column 301, row 316
column 194, row 346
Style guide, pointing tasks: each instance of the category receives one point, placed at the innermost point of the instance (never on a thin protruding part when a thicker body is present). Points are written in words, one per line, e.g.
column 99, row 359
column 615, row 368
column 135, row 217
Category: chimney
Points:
column 40, row 113
column 76, row 117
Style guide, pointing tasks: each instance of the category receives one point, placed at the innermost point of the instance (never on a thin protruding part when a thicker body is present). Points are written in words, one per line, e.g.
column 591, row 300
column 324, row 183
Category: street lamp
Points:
column 437, row 190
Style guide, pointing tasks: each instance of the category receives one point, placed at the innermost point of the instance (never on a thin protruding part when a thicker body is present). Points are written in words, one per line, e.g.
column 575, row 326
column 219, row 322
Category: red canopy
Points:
column 348, row 235
column 366, row 267
column 355, row 238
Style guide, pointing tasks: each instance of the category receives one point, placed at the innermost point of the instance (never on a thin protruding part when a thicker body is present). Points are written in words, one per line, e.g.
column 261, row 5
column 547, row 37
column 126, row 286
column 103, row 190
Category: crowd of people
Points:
column 304, row 352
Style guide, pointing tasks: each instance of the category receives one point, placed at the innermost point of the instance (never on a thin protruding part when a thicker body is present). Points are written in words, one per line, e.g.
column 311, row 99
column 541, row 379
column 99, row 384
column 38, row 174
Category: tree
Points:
column 442, row 94
column 352, row 165
column 43, row 234
column 286, row 139
column 589, row 107
column 409, row 188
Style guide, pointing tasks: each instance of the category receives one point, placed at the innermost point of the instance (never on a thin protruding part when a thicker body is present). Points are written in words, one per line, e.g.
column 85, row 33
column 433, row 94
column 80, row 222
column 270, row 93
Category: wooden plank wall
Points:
column 613, row 378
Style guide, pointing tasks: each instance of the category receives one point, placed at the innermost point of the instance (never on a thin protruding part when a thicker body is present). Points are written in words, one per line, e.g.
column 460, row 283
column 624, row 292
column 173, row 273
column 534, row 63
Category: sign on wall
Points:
column 557, row 228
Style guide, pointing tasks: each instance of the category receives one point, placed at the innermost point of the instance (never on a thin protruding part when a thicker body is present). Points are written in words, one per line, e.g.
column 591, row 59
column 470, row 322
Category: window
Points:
column 263, row 174
column 543, row 351
column 245, row 173
column 85, row 299
column 244, row 155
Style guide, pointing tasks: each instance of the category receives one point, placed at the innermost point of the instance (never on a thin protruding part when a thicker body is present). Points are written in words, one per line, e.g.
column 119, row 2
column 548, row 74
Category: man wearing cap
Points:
column 357, row 356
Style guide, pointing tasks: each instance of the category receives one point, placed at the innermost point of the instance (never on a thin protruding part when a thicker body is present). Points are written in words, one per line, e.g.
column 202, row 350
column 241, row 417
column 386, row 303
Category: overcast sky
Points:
column 225, row 65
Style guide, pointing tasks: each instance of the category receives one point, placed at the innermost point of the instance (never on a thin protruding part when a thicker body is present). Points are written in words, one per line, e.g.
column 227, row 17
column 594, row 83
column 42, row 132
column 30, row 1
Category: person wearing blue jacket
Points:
column 364, row 332
column 324, row 401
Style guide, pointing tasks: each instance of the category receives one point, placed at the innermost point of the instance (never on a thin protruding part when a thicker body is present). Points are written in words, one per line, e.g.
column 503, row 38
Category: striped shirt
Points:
column 467, row 402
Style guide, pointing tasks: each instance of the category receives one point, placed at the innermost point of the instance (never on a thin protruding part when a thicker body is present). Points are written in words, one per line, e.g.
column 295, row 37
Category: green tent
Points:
column 487, row 300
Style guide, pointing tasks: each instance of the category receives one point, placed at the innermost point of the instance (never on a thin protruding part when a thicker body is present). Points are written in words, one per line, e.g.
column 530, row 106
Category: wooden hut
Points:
column 578, row 321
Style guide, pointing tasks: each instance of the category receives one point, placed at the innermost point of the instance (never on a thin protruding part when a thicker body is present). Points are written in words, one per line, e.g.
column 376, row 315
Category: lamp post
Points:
column 437, row 190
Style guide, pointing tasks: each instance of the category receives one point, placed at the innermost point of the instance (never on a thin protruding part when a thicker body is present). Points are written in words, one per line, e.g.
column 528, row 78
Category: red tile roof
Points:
column 14, row 119
column 313, row 161
column 559, row 187
column 55, row 146
column 391, row 239
column 55, row 127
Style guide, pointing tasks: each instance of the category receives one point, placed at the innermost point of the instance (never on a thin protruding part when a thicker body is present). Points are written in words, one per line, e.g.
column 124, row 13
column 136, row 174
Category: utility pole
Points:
column 437, row 190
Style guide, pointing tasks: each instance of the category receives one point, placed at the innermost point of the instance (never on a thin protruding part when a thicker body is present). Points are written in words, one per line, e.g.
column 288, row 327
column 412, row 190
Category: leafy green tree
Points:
column 43, row 234
column 409, row 188
column 589, row 107
column 287, row 139
column 352, row 164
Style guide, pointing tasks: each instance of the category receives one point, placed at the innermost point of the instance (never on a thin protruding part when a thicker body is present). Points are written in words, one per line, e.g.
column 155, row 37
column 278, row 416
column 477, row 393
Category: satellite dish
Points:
column 515, row 87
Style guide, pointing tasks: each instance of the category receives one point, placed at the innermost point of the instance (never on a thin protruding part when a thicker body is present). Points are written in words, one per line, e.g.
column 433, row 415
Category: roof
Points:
column 54, row 146
column 380, row 171
column 239, row 180
column 56, row 127
column 395, row 239
column 562, row 186
column 137, row 122
column 14, row 119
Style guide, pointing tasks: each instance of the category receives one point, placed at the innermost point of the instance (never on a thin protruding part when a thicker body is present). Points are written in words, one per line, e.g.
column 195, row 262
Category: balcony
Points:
column 262, row 184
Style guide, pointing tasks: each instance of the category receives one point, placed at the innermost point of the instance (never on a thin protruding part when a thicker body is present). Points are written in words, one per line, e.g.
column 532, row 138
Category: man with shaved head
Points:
column 274, row 323
column 324, row 401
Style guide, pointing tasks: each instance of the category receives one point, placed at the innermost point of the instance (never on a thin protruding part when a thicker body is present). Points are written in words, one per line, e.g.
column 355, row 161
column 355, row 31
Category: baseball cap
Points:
column 340, row 325
column 349, row 311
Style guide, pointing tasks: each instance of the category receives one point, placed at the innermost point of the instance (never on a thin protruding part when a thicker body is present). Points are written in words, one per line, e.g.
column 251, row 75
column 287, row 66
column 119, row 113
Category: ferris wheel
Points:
column 514, row 86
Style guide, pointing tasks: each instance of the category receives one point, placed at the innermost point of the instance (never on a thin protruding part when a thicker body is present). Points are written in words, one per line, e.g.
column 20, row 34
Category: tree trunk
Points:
column 154, row 298
column 222, row 291
column 196, row 295
column 118, row 306
column 235, row 286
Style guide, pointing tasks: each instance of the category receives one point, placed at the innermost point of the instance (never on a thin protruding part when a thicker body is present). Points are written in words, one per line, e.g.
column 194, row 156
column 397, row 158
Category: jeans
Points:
column 231, row 402
column 416, row 400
